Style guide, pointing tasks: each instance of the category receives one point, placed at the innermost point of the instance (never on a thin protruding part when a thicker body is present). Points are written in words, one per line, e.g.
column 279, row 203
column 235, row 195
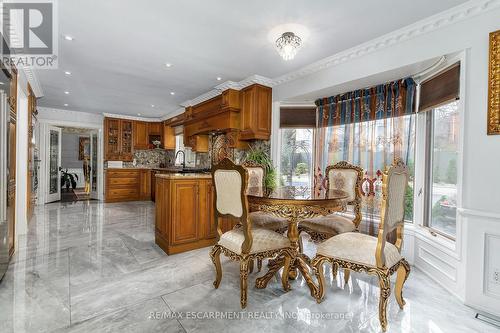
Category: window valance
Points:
column 303, row 117
column 392, row 99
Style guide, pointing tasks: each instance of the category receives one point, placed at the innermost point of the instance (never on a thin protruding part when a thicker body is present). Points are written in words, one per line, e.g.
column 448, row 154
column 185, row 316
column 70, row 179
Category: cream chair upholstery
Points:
column 359, row 252
column 256, row 187
column 244, row 243
column 341, row 176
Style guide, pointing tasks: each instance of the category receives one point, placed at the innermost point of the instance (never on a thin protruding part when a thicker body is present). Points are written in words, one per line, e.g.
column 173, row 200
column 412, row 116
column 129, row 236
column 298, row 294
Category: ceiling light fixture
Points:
column 172, row 93
column 152, row 105
column 168, row 64
column 219, row 78
column 138, row 114
column 67, row 72
column 66, row 92
column 68, row 38
column 288, row 45
column 65, row 104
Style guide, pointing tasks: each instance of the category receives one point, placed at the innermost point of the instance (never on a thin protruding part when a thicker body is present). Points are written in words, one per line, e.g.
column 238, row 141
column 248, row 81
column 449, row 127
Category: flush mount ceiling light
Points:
column 172, row 93
column 219, row 78
column 66, row 92
column 68, row 38
column 168, row 64
column 65, row 104
column 67, row 72
column 288, row 45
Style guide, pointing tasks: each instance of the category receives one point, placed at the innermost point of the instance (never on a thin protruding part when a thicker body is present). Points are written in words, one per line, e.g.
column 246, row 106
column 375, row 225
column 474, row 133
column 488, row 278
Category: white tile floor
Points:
column 94, row 267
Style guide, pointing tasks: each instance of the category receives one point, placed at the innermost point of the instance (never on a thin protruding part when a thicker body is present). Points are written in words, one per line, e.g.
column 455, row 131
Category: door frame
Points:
column 94, row 194
column 55, row 196
column 44, row 124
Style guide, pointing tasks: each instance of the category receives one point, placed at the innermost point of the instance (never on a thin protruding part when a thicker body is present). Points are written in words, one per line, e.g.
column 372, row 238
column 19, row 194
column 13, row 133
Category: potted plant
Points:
column 261, row 157
column 68, row 179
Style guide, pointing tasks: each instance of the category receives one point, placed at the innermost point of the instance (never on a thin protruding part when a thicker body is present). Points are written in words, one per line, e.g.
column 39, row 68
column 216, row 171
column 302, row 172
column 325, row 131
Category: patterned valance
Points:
column 393, row 99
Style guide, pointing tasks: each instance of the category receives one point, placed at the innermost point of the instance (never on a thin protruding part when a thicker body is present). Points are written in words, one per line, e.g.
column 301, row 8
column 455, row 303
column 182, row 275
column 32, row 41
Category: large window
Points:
column 296, row 158
column 442, row 156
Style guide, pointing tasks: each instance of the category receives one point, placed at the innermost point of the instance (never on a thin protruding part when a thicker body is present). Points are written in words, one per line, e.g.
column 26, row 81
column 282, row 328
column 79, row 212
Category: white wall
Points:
column 461, row 268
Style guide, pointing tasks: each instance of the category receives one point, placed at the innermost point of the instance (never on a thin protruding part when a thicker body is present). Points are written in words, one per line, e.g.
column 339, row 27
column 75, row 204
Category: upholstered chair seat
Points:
column 263, row 240
column 357, row 248
column 267, row 221
column 345, row 177
column 333, row 224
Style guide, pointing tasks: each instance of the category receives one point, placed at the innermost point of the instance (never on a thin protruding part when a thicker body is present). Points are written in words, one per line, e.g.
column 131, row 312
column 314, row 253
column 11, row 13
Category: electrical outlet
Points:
column 496, row 276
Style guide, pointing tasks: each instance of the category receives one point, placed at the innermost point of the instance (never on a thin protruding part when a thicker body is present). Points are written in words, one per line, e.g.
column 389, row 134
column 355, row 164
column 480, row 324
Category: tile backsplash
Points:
column 152, row 158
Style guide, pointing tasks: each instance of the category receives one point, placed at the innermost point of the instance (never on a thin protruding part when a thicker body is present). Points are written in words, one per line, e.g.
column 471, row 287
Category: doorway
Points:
column 72, row 170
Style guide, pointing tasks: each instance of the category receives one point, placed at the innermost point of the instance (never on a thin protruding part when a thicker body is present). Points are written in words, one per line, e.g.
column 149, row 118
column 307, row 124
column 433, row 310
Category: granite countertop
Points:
column 184, row 175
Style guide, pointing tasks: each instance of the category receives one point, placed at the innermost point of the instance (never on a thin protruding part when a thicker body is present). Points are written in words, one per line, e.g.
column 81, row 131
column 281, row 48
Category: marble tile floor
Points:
column 94, row 267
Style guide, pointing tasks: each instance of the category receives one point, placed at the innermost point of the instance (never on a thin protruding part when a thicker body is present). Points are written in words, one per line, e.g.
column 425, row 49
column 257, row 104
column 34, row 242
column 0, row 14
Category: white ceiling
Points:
column 118, row 57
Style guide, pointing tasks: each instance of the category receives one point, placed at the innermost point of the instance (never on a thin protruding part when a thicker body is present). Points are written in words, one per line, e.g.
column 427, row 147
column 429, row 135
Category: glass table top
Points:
column 296, row 193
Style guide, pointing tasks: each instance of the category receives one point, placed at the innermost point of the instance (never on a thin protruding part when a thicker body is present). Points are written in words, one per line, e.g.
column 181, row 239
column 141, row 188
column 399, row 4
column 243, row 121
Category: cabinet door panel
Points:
column 184, row 212
column 112, row 138
column 126, row 140
column 140, row 135
column 207, row 221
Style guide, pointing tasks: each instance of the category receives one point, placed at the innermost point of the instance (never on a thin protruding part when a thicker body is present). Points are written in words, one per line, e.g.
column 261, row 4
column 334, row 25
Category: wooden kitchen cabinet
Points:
column 118, row 140
column 199, row 143
column 127, row 185
column 256, row 106
column 141, row 135
column 154, row 128
column 168, row 137
column 184, row 213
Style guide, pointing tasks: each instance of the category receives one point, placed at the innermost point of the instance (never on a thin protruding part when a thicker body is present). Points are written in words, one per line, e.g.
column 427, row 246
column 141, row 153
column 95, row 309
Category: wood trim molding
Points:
column 494, row 84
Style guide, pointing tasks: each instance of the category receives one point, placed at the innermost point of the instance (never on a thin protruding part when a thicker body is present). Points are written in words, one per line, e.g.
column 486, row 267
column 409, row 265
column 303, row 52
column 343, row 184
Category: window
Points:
column 442, row 127
column 190, row 156
column 296, row 158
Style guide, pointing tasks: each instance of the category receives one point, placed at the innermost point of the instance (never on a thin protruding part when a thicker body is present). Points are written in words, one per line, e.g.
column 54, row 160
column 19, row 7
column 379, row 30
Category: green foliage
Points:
column 301, row 168
column 261, row 157
column 409, row 203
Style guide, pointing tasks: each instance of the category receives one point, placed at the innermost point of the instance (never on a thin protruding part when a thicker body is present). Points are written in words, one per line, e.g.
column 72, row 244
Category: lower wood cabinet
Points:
column 184, row 213
column 127, row 185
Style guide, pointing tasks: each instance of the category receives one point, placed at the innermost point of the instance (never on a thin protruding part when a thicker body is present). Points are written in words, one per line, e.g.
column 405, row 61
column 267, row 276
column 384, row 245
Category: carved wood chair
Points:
column 243, row 244
column 341, row 176
column 360, row 252
column 256, row 186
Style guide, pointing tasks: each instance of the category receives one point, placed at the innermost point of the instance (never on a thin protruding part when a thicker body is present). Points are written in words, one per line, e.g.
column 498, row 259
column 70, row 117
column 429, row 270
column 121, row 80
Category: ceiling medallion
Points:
column 288, row 45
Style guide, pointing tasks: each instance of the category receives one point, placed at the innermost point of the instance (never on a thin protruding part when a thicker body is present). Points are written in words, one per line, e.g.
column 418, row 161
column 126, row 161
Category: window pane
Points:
column 443, row 195
column 296, row 158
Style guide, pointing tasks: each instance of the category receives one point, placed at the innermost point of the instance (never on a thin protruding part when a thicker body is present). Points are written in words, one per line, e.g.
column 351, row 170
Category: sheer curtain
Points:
column 369, row 128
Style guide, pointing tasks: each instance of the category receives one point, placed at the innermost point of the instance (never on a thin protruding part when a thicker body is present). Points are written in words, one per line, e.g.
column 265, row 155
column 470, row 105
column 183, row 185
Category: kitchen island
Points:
column 184, row 212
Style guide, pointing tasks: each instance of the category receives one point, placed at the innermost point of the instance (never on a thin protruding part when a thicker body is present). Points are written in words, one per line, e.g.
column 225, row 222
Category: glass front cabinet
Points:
column 118, row 139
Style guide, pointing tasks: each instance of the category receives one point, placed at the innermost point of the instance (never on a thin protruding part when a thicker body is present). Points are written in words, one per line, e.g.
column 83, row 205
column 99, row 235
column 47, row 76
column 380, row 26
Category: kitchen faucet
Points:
column 183, row 158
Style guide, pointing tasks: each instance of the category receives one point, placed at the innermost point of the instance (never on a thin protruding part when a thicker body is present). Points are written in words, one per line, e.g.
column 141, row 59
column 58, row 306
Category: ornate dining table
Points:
column 295, row 204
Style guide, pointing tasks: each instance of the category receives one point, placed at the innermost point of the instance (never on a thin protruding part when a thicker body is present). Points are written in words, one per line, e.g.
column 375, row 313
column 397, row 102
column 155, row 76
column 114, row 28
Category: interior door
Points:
column 54, row 163
column 94, row 143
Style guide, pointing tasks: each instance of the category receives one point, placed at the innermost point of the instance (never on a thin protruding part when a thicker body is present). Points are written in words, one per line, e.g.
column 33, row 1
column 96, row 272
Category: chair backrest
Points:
column 256, row 176
column 394, row 182
column 347, row 177
column 230, row 182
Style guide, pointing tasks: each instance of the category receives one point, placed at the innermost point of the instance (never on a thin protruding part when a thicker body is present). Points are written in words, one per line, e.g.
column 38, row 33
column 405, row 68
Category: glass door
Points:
column 54, row 164
column 94, row 194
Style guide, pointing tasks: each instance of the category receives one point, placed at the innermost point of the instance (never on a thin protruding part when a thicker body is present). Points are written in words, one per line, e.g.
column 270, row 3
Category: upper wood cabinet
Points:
column 168, row 136
column 255, row 112
column 118, row 139
column 154, row 128
column 140, row 135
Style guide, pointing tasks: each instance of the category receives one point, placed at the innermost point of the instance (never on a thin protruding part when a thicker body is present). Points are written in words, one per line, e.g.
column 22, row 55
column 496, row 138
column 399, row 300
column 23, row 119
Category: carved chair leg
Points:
column 243, row 282
column 250, row 266
column 320, row 276
column 286, row 269
column 259, row 265
column 385, row 292
column 347, row 273
column 301, row 245
column 402, row 274
column 215, row 255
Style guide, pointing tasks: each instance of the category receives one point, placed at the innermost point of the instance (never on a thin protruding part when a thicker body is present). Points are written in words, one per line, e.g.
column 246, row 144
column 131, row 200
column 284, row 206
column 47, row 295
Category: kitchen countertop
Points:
column 200, row 175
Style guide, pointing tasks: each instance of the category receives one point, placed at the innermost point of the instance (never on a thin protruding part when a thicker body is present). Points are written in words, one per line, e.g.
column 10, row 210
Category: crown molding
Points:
column 217, row 90
column 33, row 81
column 429, row 24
